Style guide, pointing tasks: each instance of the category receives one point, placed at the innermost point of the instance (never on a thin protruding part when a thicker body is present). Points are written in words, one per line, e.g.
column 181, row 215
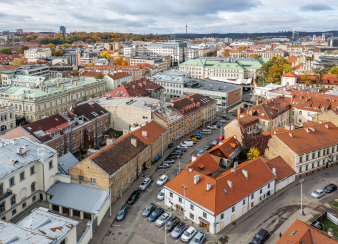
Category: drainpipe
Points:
column 43, row 175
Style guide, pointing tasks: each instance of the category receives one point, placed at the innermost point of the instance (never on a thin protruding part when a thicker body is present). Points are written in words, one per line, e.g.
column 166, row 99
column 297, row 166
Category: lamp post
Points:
column 301, row 181
column 184, row 188
column 165, row 232
column 110, row 185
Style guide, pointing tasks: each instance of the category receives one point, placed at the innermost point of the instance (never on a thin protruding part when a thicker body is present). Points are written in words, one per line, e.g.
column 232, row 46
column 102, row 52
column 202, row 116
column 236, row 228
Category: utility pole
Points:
column 184, row 188
column 301, row 181
column 165, row 232
column 110, row 185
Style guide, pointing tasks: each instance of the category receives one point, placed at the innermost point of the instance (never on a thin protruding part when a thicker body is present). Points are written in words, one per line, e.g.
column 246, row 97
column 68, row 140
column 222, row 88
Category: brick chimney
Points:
column 320, row 121
column 290, row 134
column 327, row 126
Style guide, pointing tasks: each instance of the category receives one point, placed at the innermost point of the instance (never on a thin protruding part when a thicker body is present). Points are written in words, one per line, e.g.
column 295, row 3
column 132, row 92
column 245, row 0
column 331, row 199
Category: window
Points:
column 2, row 207
column 300, row 159
column 114, row 180
column 243, row 201
column 56, row 144
column 233, row 209
column 318, row 153
column 171, row 195
column 252, row 196
column 14, row 212
column 34, row 199
column 33, row 187
column 269, row 186
column 192, row 216
column 93, row 181
column 11, row 182
column 307, row 157
column 252, row 204
column 74, row 145
column 121, row 174
column 62, row 141
column 261, row 191
column 205, row 215
column 128, row 179
column 191, row 207
column 50, row 164
column 222, row 216
column 313, row 155
column 67, row 139
column 22, row 175
column 24, row 205
column 80, row 178
column 12, row 200
column 73, row 136
column 180, row 199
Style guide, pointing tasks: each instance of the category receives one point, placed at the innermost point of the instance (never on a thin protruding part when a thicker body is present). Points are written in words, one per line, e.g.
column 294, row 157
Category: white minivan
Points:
column 206, row 131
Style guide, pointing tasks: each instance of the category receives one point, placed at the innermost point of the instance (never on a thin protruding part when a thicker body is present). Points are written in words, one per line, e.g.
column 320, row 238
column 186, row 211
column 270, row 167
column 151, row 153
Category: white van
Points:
column 189, row 143
column 206, row 131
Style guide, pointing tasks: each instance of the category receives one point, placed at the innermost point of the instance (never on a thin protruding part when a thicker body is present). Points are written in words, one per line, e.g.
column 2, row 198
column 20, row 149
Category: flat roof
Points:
column 214, row 86
column 79, row 197
column 145, row 103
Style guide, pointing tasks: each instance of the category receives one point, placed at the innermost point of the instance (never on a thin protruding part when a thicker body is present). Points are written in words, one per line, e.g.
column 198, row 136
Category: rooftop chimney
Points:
column 144, row 133
column 134, row 142
column 245, row 173
column 290, row 134
column 198, row 104
column 235, row 165
column 327, row 126
column 208, row 186
column 196, row 179
column 190, row 169
column 233, row 170
column 109, row 142
column 230, row 184
column 313, row 129
column 274, row 171
column 320, row 121
column 275, row 132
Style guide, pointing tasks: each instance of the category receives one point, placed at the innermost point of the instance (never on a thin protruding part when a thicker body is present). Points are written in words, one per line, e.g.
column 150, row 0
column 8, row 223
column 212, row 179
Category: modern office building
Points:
column 62, row 29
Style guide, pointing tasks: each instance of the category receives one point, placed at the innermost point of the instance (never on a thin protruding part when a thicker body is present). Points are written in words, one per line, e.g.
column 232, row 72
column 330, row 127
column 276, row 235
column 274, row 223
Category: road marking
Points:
column 160, row 228
column 177, row 240
column 116, row 225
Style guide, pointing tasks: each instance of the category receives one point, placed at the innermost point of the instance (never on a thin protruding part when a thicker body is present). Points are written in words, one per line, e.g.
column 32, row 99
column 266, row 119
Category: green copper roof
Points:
column 218, row 64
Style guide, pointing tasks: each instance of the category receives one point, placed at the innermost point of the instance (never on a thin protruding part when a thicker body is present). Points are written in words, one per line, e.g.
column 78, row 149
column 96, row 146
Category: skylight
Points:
column 293, row 102
column 292, row 233
column 225, row 191
column 327, row 139
column 319, row 142
column 299, row 147
column 297, row 103
column 309, row 145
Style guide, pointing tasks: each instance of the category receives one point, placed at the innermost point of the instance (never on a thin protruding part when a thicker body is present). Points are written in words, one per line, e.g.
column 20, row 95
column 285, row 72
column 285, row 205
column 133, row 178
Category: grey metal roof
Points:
column 49, row 224
column 10, row 233
column 11, row 161
column 65, row 162
column 79, row 197
column 212, row 86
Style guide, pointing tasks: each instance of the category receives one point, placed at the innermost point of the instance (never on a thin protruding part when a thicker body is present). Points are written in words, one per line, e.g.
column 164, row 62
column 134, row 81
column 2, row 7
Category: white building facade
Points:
column 32, row 55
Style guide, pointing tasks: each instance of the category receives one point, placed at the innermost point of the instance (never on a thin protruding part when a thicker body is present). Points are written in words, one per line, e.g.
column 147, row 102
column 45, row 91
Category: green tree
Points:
column 80, row 46
column 6, row 50
column 19, row 61
column 58, row 52
column 99, row 76
column 66, row 45
column 50, row 45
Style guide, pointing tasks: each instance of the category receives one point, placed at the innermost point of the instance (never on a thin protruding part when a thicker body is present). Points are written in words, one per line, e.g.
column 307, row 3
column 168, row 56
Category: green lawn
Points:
column 328, row 224
column 314, row 217
column 334, row 203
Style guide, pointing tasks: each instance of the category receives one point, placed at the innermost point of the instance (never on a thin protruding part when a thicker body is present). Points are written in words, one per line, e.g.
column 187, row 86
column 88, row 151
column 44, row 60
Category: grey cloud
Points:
column 316, row 7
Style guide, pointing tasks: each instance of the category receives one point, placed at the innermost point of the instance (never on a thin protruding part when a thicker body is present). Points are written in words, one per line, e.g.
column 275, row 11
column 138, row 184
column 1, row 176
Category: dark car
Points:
column 172, row 223
column 225, row 117
column 178, row 230
column 176, row 152
column 122, row 213
column 234, row 114
column 171, row 158
column 163, row 166
column 148, row 210
column 170, row 145
column 207, row 147
column 183, row 149
column 155, row 214
column 330, row 188
column 134, row 196
column 261, row 237
column 198, row 137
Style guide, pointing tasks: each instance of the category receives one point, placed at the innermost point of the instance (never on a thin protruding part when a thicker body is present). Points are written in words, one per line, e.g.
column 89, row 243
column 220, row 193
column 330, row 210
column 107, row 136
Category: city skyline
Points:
column 149, row 17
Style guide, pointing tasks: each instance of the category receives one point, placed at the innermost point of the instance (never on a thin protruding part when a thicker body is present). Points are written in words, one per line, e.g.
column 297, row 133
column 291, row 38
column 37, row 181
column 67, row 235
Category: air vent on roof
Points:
column 292, row 233
column 230, row 184
column 196, row 179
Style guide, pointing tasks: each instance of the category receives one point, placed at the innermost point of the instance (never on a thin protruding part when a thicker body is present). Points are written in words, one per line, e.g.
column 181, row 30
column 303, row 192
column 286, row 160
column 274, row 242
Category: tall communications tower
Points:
column 186, row 28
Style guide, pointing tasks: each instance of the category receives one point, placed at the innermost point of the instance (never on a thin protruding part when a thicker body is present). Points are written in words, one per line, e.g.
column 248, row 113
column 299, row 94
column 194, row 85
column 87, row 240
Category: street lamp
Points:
column 165, row 232
column 184, row 188
column 301, row 181
column 110, row 185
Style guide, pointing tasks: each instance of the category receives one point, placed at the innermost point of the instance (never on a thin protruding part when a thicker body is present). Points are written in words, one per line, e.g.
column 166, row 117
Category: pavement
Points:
column 111, row 231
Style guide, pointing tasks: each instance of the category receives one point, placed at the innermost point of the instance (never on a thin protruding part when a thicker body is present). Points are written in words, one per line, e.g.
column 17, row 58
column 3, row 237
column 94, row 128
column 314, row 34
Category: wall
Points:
column 327, row 116
column 71, row 236
column 87, row 234
column 234, row 96
column 283, row 183
column 233, row 129
column 103, row 211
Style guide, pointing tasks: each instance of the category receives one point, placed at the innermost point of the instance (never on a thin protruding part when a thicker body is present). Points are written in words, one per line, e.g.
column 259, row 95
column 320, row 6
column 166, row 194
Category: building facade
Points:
column 32, row 55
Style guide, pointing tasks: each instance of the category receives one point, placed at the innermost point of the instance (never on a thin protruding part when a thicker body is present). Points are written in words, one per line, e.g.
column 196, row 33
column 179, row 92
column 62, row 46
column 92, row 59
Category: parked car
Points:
column 198, row 135
column 189, row 143
column 134, row 196
column 178, row 152
column 168, row 161
column 193, row 139
column 183, row 149
column 122, row 213
column 155, row 214
column 206, row 132
column 261, row 237
column 222, row 121
column 214, row 143
column 172, row 157
column 160, row 195
column 218, row 125
column 145, row 183
column 188, row 234
column 330, row 188
column 317, row 193
column 178, row 230
column 163, row 166
column 198, row 238
column 149, row 209
column 213, row 127
column 183, row 146
column 157, row 158
column 200, row 152
column 234, row 114
column 225, row 117
column 163, row 219
column 170, row 145
column 98, row 148
column 172, row 223
column 207, row 147
column 162, row 180
column 221, row 138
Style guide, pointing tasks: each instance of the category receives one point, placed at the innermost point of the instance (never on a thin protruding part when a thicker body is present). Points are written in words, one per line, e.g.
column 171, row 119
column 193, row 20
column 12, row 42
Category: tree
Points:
column 272, row 70
column 89, row 40
column 51, row 45
column 242, row 48
column 253, row 153
column 6, row 50
column 99, row 76
column 21, row 50
column 226, row 54
column 260, row 142
column 80, row 46
column 255, row 56
column 118, row 61
column 105, row 54
column 124, row 63
column 16, row 40
column 66, row 45
column 58, row 52
column 19, row 61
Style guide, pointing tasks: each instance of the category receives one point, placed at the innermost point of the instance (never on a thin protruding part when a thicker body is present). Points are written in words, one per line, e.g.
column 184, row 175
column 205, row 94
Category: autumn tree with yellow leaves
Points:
column 253, row 153
column 19, row 61
column 105, row 54
column 58, row 52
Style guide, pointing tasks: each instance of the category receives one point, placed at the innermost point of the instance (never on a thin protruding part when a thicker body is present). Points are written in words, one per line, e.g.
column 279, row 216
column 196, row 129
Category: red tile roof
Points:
column 118, row 75
column 192, row 102
column 289, row 74
column 226, row 146
column 298, row 66
column 283, row 169
column 303, row 233
column 10, row 67
column 153, row 129
column 137, row 88
column 215, row 199
column 292, row 59
column 328, row 79
column 90, row 74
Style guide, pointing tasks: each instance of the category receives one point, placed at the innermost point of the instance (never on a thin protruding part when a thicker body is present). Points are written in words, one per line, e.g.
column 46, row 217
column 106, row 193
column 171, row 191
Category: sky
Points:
column 169, row 16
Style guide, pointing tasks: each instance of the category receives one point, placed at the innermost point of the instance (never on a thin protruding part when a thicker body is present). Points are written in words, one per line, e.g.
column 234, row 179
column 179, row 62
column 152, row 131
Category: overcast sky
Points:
column 169, row 16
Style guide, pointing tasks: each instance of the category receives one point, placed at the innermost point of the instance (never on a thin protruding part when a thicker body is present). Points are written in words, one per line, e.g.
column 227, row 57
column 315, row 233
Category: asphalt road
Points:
column 137, row 229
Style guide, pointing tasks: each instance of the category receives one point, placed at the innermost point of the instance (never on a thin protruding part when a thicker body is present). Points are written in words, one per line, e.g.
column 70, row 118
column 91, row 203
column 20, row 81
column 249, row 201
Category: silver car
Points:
column 317, row 193
column 163, row 219
column 144, row 184
column 198, row 238
column 188, row 234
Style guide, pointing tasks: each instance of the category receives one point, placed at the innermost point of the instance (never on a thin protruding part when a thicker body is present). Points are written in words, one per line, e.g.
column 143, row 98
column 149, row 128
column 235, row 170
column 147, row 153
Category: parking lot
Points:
column 137, row 229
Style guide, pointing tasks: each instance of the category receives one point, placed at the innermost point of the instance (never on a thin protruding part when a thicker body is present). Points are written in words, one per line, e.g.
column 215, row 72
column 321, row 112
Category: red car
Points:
column 221, row 138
